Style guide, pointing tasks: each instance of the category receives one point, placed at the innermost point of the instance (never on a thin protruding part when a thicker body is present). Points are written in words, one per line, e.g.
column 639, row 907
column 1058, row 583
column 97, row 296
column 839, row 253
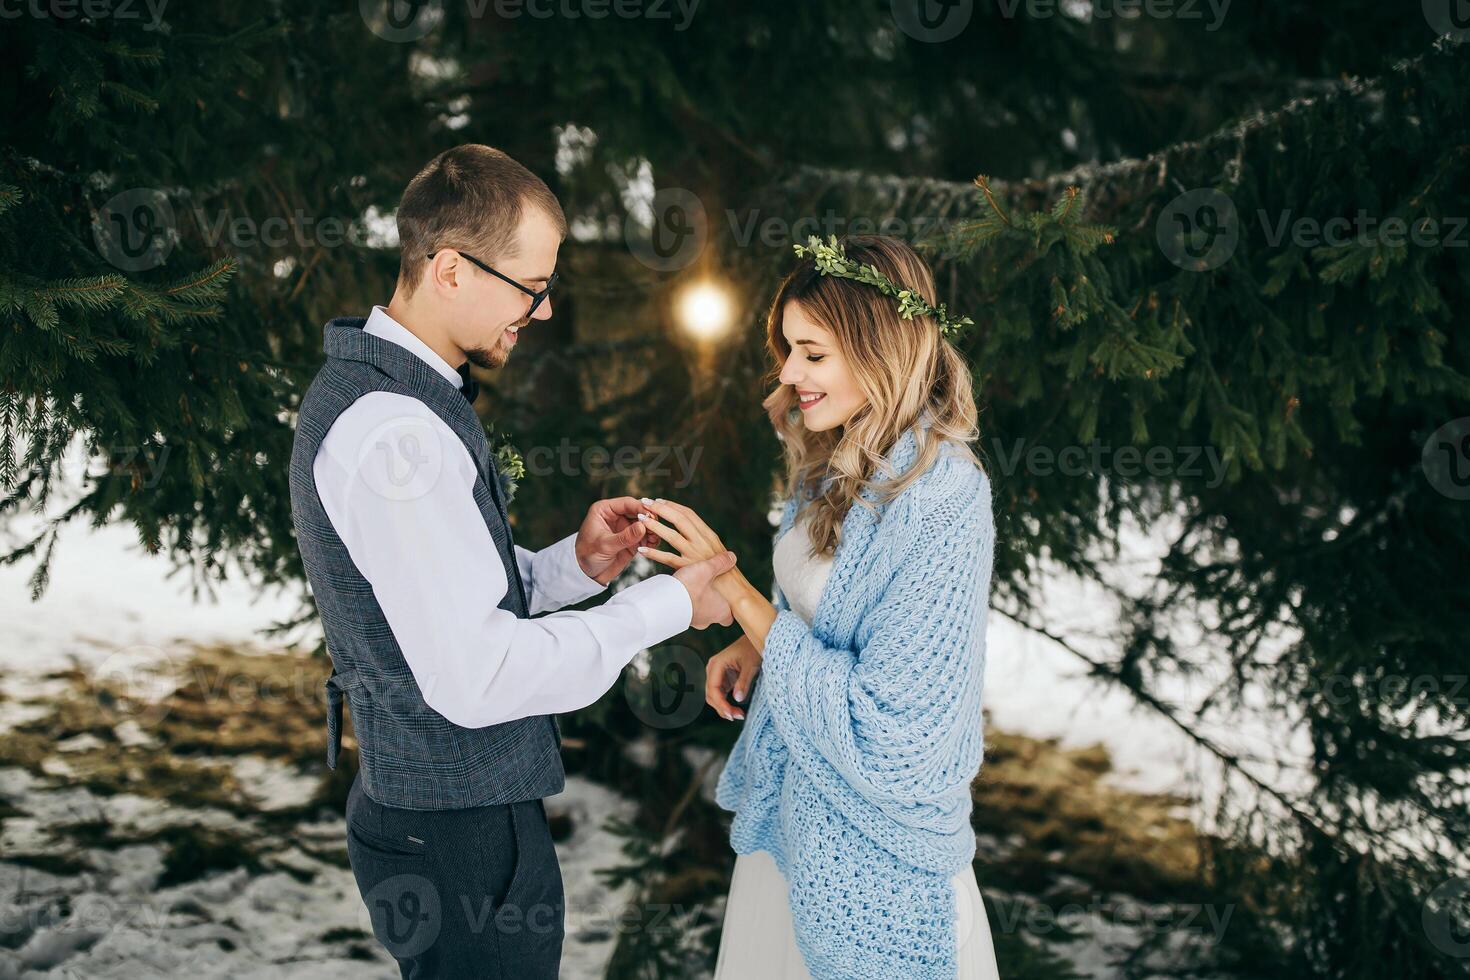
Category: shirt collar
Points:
column 381, row 325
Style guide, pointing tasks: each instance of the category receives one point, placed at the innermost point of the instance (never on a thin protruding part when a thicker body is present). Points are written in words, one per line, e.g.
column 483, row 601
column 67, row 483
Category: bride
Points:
column 850, row 781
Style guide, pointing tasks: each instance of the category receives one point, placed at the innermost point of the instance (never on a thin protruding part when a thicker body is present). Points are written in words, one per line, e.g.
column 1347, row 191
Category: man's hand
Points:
column 609, row 538
column 709, row 605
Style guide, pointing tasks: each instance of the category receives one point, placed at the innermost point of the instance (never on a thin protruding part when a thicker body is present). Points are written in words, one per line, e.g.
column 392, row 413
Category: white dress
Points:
column 759, row 940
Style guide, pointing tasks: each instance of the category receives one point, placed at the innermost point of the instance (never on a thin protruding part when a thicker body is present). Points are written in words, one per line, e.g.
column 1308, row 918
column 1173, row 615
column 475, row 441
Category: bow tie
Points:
column 471, row 387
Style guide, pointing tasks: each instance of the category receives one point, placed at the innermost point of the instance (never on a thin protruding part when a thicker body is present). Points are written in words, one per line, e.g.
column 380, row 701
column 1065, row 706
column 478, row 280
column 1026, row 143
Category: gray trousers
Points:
column 460, row 893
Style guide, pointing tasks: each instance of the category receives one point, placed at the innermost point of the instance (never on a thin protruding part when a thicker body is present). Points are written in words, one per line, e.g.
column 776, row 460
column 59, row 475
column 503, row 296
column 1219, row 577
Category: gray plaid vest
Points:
column 410, row 755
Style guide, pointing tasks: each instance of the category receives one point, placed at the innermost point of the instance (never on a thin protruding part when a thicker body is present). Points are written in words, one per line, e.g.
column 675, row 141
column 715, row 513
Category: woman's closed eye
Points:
column 814, row 358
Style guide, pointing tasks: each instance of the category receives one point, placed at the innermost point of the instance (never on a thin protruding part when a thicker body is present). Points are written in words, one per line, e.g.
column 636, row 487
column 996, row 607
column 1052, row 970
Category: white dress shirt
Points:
column 397, row 484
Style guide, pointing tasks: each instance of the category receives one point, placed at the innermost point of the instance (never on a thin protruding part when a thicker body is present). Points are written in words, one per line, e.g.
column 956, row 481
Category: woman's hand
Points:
column 695, row 541
column 732, row 669
column 689, row 533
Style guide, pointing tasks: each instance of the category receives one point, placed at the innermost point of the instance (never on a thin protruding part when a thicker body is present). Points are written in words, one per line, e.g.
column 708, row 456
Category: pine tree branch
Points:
column 209, row 281
column 1231, row 760
column 1114, row 185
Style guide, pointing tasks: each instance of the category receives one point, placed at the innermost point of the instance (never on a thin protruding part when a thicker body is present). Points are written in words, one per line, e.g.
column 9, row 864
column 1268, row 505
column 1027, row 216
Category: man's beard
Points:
column 493, row 358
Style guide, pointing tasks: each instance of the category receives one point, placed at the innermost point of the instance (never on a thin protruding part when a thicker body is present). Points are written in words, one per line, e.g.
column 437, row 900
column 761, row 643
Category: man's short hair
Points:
column 470, row 198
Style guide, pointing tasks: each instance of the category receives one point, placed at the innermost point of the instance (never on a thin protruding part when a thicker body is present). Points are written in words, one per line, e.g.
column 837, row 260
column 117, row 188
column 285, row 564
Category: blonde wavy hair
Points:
column 906, row 369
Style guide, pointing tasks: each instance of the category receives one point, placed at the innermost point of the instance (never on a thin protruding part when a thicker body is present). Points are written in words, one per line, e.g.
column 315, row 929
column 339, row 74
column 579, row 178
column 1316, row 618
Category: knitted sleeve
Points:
column 899, row 719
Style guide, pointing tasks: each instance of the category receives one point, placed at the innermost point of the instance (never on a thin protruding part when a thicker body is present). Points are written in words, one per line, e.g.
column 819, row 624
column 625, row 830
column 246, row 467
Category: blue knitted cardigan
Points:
column 854, row 765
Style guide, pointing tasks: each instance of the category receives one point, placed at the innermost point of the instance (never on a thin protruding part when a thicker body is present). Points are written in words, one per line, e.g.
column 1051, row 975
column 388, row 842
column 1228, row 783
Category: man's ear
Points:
column 444, row 278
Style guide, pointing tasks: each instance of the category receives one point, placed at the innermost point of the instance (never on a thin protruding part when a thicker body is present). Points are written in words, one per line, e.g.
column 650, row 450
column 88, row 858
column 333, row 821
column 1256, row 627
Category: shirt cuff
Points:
column 559, row 580
column 664, row 604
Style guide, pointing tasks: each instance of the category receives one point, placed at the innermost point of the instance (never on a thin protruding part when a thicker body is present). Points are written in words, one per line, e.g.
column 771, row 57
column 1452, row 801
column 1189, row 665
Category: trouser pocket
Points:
column 531, row 922
column 460, row 893
column 396, row 877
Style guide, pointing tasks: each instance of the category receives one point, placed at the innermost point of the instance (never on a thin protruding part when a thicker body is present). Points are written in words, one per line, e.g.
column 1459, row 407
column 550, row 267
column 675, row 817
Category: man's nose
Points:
column 543, row 312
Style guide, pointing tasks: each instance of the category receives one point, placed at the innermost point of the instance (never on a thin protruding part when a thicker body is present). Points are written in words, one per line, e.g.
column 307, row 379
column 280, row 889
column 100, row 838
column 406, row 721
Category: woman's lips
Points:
column 810, row 404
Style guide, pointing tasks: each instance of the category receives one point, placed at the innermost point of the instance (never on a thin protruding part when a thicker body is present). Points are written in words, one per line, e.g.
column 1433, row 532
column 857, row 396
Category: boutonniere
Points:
column 510, row 469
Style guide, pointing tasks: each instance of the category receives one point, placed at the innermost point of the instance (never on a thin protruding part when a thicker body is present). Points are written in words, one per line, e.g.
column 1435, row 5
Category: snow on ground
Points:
column 108, row 600
column 299, row 917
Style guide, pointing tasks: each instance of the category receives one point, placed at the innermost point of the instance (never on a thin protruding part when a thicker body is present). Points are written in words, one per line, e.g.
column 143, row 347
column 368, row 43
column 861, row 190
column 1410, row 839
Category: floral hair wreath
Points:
column 832, row 260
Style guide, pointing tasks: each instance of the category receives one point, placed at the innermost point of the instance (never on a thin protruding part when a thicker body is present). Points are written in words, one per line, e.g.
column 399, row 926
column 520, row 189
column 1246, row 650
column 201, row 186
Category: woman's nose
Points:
column 789, row 373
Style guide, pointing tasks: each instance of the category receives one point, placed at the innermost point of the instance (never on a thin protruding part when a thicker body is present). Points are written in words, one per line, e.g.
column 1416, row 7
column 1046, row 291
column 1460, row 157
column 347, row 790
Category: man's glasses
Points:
column 536, row 295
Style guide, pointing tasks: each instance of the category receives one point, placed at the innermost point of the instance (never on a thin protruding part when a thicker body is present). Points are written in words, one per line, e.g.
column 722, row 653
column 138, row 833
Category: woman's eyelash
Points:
column 814, row 358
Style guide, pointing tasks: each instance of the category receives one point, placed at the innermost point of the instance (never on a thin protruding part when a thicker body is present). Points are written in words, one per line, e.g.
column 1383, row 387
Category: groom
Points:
column 427, row 603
